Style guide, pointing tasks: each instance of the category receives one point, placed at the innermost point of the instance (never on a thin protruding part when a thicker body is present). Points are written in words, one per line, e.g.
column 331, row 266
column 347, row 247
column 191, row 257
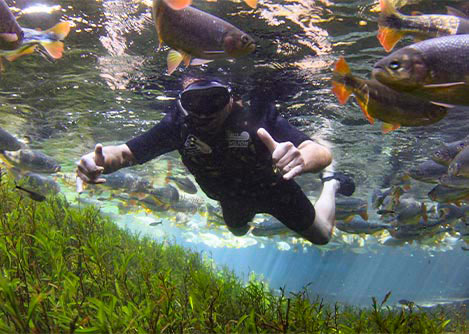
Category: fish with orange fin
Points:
column 196, row 37
column 435, row 69
column 49, row 40
column 376, row 100
column 181, row 4
column 393, row 25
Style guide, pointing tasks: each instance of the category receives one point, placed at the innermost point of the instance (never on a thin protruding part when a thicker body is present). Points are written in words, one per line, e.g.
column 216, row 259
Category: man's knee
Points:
column 315, row 236
column 239, row 231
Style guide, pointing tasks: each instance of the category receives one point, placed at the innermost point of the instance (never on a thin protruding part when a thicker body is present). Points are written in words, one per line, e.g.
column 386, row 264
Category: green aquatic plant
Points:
column 71, row 270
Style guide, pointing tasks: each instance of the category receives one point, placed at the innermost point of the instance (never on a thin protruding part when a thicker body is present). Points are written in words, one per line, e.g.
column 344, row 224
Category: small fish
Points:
column 156, row 223
column 454, row 181
column 444, row 194
column 192, row 33
column 436, row 70
column 8, row 142
column 346, row 207
column 379, row 101
column 428, row 171
column 446, row 152
column 34, row 195
column 184, row 183
column 358, row 225
column 31, row 160
column 50, row 40
column 459, row 166
column 394, row 25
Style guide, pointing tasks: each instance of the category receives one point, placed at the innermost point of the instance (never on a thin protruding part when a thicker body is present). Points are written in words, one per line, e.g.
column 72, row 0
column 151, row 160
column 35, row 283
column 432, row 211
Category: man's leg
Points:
column 320, row 231
column 237, row 215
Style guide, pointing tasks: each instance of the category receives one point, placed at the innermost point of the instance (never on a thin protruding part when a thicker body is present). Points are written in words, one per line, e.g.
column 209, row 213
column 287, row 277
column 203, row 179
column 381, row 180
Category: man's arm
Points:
column 315, row 156
column 293, row 161
column 104, row 160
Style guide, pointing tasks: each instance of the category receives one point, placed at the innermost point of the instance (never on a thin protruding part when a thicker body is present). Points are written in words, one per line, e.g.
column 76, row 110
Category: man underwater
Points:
column 245, row 159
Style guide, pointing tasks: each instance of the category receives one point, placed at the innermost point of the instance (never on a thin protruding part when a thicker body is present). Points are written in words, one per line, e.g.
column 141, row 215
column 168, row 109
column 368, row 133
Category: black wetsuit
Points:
column 234, row 166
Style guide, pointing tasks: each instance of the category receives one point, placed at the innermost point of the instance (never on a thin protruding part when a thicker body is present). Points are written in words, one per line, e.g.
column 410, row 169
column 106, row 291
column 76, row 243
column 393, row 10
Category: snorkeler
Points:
column 245, row 159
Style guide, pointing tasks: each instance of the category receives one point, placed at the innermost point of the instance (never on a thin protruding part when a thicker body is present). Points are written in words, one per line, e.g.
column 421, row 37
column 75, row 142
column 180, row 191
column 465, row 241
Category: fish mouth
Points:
column 377, row 72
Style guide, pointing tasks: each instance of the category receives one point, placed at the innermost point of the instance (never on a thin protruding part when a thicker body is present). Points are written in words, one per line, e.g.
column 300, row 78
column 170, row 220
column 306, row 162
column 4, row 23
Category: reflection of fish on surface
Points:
column 189, row 203
column 50, row 40
column 445, row 153
column 357, row 225
column 406, row 211
column 419, row 231
column 428, row 171
column 192, row 33
column 8, row 142
column 436, row 70
column 394, row 25
column 346, row 207
column 31, row 160
column 379, row 101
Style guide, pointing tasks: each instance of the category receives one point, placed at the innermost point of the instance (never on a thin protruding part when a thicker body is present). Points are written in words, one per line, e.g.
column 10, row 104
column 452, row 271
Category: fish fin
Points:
column 61, row 29
column 26, row 51
column 388, row 37
column 348, row 219
column 186, row 58
column 173, row 60
column 387, row 8
column 198, row 61
column 341, row 67
column 341, row 92
column 364, row 215
column 364, row 107
column 416, row 13
column 178, row 4
column 386, row 127
column 444, row 105
column 424, row 212
column 251, row 3
column 54, row 49
column 455, row 12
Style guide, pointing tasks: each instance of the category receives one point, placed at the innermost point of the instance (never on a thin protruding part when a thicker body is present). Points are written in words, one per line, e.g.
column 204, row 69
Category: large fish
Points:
column 436, row 69
column 181, row 4
column 459, row 166
column 196, row 37
column 8, row 142
column 31, row 160
column 381, row 102
column 444, row 194
column 394, row 25
column 357, row 225
column 50, row 40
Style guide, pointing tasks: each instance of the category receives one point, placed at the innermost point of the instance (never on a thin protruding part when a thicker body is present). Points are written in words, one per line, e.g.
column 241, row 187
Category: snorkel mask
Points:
column 203, row 99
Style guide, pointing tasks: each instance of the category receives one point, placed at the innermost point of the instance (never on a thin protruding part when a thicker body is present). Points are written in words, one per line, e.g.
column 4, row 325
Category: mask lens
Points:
column 205, row 101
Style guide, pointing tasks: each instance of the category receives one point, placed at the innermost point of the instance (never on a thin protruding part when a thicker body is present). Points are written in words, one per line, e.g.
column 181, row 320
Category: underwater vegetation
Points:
column 71, row 270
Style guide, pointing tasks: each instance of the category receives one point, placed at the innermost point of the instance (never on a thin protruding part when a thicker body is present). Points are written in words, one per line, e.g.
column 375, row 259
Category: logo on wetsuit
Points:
column 237, row 139
column 195, row 146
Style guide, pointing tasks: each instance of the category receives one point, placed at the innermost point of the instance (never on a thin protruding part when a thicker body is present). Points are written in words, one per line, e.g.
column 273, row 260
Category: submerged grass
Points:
column 65, row 270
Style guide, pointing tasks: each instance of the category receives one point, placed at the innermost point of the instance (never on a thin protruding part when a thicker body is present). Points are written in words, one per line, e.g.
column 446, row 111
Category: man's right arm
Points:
column 104, row 160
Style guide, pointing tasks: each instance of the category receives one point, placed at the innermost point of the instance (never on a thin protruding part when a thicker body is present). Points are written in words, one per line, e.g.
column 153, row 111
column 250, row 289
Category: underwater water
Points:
column 111, row 84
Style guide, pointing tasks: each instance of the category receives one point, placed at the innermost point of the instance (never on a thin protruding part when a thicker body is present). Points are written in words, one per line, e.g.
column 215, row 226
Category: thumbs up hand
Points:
column 91, row 166
column 285, row 156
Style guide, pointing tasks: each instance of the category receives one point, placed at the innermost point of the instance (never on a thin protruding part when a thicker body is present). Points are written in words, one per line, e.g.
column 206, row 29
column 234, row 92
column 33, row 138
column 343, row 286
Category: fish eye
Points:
column 245, row 39
column 394, row 65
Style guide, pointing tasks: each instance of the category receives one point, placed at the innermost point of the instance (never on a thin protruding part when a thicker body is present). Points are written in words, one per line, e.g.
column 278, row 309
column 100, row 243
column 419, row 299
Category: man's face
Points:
column 207, row 105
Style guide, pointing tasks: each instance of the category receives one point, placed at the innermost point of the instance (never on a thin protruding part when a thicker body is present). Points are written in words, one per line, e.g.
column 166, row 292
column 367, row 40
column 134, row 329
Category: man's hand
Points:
column 285, row 156
column 91, row 166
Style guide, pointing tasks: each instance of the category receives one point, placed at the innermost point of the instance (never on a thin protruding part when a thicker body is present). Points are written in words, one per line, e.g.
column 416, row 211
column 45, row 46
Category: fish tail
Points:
column 173, row 60
column 26, row 51
column 386, row 127
column 178, row 4
column 339, row 89
column 251, row 3
column 54, row 49
column 388, row 37
column 61, row 29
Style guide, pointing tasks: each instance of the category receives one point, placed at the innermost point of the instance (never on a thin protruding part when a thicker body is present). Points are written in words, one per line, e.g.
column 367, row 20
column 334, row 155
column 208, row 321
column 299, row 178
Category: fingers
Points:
column 99, row 155
column 90, row 167
column 267, row 139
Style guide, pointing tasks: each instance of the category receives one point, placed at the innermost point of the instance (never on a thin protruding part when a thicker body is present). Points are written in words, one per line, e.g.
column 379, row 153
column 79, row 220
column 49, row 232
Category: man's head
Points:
column 206, row 103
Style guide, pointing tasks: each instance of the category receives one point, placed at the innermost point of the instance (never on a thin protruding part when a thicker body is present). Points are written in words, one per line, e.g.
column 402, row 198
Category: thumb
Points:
column 267, row 139
column 99, row 155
